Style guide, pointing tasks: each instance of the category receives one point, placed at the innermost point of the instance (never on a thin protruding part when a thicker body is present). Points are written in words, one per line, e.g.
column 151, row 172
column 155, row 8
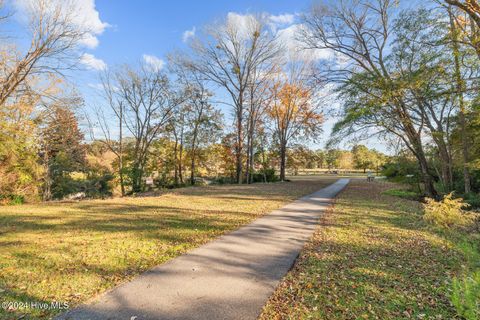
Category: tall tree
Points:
column 63, row 151
column 20, row 172
column 228, row 56
column 116, row 107
column 460, row 90
column 363, row 158
column 360, row 33
column 149, row 101
column 54, row 38
column 293, row 111
column 204, row 125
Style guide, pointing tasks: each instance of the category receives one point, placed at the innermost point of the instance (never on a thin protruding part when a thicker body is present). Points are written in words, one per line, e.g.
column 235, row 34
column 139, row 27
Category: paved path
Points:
column 229, row 278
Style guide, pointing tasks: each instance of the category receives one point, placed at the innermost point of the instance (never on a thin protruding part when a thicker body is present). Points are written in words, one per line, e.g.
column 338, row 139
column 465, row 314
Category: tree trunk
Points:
column 445, row 165
column 247, row 172
column 461, row 115
column 137, row 177
column 251, row 164
column 427, row 178
column 283, row 158
column 180, row 157
column 239, row 147
column 465, row 153
column 47, row 188
column 192, row 169
column 180, row 166
column 120, row 168
column 415, row 141
column 175, row 161
column 194, row 153
column 120, row 152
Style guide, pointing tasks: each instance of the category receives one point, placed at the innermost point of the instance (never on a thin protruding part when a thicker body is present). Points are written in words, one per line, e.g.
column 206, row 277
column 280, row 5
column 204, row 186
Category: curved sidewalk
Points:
column 229, row 278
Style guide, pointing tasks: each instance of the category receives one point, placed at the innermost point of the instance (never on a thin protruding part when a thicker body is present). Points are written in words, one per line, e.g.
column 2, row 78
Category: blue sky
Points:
column 131, row 31
column 156, row 27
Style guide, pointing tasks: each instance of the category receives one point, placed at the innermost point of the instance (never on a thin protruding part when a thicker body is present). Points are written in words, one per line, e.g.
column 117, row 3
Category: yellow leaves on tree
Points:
column 293, row 111
column 294, row 115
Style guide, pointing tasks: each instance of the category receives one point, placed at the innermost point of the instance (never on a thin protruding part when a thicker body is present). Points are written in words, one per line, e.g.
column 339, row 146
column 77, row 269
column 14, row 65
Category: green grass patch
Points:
column 374, row 257
column 402, row 193
column 69, row 252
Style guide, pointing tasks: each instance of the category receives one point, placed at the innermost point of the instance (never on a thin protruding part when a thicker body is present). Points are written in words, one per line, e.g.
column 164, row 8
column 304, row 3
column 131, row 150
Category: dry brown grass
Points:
column 73, row 251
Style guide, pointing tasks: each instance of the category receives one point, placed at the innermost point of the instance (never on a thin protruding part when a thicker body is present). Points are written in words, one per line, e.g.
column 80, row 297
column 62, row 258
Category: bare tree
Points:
column 149, row 102
column 258, row 95
column 142, row 102
column 106, row 120
column 53, row 40
column 360, row 34
column 199, row 120
column 228, row 56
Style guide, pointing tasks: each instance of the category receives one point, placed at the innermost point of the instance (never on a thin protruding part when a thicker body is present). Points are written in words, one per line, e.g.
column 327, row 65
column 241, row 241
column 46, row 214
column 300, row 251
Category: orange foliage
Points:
column 292, row 108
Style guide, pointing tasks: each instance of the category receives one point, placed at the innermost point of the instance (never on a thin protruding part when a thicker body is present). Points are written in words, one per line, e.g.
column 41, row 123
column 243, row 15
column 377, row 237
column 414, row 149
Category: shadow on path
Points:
column 229, row 278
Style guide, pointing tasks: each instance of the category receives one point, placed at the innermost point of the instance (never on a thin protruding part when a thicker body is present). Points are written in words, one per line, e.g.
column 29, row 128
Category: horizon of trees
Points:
column 408, row 76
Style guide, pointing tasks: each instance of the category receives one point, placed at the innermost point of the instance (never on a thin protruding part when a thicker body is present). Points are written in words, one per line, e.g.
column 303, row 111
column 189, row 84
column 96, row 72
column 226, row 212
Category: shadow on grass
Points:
column 174, row 230
column 374, row 258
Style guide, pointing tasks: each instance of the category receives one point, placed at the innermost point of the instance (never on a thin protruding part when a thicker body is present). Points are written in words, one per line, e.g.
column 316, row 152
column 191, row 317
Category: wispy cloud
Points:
column 91, row 62
column 86, row 17
column 187, row 34
column 288, row 37
column 282, row 19
column 153, row 62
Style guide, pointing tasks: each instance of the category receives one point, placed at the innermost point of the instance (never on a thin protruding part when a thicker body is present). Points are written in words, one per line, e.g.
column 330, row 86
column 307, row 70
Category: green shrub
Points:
column 99, row 186
column 62, row 186
column 466, row 296
column 223, row 180
column 473, row 199
column 406, row 194
column 12, row 199
column 446, row 213
column 267, row 175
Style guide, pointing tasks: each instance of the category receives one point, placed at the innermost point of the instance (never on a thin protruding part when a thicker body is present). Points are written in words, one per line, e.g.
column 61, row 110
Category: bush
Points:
column 267, row 175
column 12, row 199
column 222, row 180
column 405, row 194
column 473, row 199
column 466, row 296
column 99, row 186
column 62, row 186
column 446, row 213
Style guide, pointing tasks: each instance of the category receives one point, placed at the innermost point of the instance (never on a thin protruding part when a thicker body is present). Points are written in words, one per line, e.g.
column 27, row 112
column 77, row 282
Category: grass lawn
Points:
column 373, row 257
column 69, row 252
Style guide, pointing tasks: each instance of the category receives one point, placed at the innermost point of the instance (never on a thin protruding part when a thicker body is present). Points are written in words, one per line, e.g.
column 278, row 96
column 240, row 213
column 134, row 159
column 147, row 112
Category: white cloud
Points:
column 82, row 15
column 91, row 62
column 282, row 19
column 284, row 27
column 243, row 23
column 154, row 62
column 288, row 37
column 188, row 34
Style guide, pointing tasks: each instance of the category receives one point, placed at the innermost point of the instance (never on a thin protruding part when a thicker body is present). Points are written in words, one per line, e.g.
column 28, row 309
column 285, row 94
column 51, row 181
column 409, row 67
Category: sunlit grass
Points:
column 372, row 257
column 73, row 251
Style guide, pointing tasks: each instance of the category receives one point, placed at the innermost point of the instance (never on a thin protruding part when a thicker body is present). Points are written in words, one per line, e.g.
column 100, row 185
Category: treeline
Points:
column 409, row 77
column 151, row 127
column 359, row 158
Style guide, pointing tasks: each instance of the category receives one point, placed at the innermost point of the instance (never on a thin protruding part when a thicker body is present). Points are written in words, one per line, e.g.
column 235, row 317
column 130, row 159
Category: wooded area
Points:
column 238, row 108
column 407, row 76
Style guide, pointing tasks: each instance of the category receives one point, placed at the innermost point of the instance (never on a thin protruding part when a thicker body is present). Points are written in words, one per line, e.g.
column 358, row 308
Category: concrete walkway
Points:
column 229, row 278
